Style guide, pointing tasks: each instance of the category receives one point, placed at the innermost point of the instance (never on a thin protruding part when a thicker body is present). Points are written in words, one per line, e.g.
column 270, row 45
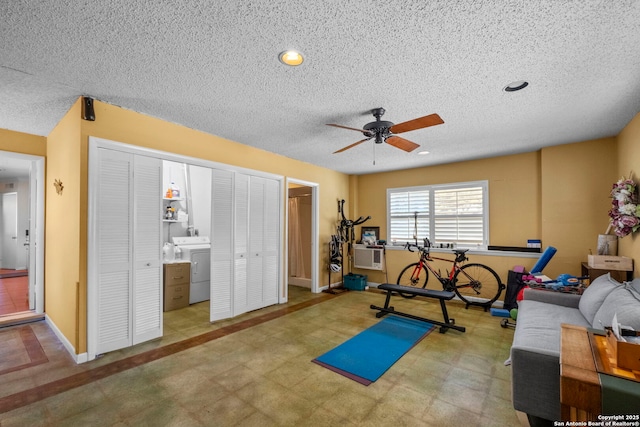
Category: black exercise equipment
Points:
column 442, row 296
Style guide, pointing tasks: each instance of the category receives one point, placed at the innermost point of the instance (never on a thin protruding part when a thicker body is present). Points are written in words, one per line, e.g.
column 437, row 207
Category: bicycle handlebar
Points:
column 460, row 254
column 409, row 246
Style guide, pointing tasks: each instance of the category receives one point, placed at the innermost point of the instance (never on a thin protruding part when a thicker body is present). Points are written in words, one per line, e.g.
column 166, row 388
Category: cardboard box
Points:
column 626, row 354
column 609, row 262
column 355, row 282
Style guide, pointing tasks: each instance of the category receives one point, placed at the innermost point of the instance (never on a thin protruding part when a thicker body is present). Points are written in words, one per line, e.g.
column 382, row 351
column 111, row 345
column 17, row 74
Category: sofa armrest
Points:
column 535, row 382
column 557, row 298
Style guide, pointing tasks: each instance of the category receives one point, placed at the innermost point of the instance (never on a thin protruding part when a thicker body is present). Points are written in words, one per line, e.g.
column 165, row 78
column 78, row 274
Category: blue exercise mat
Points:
column 368, row 355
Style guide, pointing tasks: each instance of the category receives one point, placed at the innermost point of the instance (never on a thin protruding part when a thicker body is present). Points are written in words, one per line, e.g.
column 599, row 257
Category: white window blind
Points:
column 408, row 214
column 449, row 213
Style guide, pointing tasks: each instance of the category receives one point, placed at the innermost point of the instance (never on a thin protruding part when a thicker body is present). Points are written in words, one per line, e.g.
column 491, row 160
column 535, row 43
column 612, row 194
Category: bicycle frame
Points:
column 425, row 262
column 448, row 282
column 466, row 280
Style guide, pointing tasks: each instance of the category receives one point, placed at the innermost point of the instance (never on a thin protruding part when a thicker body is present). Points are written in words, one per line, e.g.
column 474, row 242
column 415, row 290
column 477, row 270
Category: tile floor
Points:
column 258, row 371
column 13, row 294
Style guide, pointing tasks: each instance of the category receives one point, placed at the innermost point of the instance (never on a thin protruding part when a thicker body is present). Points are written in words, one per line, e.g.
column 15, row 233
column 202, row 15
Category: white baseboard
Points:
column 79, row 358
column 300, row 281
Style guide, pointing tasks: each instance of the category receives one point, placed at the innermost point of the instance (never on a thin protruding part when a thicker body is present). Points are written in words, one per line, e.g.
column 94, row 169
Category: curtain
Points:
column 296, row 257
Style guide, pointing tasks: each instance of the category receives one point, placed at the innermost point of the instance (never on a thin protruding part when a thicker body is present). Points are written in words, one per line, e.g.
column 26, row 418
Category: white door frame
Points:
column 315, row 214
column 36, row 228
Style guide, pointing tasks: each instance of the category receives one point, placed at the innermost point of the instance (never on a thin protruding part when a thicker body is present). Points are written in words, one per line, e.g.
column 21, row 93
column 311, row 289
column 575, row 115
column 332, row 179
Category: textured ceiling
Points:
column 213, row 66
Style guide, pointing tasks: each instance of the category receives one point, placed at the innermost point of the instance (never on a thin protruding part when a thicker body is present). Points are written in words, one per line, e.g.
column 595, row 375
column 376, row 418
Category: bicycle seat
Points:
column 460, row 251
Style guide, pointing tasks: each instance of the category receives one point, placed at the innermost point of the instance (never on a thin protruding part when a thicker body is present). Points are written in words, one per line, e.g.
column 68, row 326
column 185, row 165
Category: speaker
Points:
column 87, row 109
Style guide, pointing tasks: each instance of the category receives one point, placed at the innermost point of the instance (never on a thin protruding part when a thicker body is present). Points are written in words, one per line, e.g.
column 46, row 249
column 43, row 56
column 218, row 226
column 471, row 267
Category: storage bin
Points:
column 355, row 282
column 607, row 262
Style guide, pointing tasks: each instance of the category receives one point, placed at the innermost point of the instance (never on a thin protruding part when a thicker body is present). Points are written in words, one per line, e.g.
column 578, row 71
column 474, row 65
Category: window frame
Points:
column 431, row 189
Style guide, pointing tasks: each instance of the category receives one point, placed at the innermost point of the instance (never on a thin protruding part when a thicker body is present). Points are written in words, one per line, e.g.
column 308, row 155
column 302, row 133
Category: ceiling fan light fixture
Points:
column 516, row 86
column 423, row 153
column 291, row 58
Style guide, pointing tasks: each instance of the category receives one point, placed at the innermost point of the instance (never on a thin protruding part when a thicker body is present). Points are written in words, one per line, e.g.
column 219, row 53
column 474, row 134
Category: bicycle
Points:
column 474, row 284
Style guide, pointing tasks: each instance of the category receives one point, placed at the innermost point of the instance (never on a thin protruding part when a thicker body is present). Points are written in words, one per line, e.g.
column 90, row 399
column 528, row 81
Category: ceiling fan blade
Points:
column 350, row 146
column 401, row 143
column 346, row 127
column 419, row 123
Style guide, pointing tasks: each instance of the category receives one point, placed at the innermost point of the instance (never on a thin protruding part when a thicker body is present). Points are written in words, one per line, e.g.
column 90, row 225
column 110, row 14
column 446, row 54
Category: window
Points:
column 446, row 213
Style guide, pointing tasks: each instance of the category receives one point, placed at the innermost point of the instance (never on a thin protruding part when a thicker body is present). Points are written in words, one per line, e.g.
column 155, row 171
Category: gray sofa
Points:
column 535, row 353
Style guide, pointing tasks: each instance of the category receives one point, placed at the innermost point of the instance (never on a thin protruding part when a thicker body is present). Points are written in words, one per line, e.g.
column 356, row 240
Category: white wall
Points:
column 200, row 180
column 199, row 193
column 20, row 186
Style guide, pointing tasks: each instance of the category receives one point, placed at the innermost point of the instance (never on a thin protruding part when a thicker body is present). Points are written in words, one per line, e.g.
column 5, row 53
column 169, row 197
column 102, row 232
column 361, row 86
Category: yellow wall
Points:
column 24, row 143
column 66, row 223
column 576, row 182
column 63, row 227
column 558, row 194
column 629, row 161
column 514, row 199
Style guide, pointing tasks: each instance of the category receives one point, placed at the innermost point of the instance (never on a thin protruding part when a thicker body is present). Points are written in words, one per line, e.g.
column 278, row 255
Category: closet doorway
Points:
column 302, row 234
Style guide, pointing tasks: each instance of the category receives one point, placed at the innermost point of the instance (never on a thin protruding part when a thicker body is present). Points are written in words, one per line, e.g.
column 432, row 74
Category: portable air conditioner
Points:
column 368, row 258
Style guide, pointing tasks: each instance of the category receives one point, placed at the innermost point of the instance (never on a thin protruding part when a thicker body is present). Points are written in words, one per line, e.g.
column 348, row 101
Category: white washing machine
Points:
column 197, row 250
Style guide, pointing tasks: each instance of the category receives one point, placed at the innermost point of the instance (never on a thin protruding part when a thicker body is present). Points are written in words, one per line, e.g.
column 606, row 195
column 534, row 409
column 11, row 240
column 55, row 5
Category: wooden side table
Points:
column 580, row 395
column 619, row 275
column 586, row 360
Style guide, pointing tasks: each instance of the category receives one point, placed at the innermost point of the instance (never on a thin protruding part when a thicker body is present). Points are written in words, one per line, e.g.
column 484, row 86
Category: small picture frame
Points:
column 370, row 235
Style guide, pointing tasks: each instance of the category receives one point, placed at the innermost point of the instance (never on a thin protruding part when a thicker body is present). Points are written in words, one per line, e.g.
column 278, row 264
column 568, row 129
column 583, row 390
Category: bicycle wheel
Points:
column 412, row 276
column 477, row 284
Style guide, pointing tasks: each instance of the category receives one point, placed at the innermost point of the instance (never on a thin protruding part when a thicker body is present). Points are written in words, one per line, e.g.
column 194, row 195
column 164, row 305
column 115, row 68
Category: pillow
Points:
column 593, row 297
column 624, row 302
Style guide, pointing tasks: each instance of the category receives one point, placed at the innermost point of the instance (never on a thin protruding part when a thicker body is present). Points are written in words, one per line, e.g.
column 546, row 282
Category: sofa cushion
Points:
column 593, row 297
column 635, row 285
column 624, row 301
column 538, row 325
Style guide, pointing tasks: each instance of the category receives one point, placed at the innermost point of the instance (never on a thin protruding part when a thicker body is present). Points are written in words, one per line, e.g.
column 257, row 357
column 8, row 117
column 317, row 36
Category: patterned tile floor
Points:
column 256, row 370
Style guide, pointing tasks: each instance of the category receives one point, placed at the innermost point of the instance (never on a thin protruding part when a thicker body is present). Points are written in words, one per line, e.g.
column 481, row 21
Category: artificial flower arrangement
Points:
column 625, row 211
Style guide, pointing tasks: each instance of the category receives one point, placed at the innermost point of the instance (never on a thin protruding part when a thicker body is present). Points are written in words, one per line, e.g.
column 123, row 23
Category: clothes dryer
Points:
column 197, row 250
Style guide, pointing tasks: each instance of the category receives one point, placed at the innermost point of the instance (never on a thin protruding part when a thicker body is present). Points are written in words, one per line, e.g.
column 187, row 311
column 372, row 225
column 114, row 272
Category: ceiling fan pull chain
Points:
column 374, row 154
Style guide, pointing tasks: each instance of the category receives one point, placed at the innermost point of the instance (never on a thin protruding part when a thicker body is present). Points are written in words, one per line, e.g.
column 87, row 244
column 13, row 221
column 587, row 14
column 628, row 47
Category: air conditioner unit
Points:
column 368, row 258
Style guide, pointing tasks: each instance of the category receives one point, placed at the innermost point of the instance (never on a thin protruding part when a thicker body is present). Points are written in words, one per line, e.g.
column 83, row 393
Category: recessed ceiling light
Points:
column 422, row 153
column 515, row 86
column 291, row 57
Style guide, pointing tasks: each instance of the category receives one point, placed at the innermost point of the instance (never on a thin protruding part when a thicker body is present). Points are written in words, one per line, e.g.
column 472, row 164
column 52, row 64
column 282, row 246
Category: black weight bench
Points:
column 442, row 296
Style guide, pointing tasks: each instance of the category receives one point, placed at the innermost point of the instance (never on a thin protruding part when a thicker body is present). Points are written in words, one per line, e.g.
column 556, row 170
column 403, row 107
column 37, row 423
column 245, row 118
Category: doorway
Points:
column 22, row 225
column 302, row 234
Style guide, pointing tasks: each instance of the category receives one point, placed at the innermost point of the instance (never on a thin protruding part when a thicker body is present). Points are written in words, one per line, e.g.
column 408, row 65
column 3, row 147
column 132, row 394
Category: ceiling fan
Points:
column 384, row 131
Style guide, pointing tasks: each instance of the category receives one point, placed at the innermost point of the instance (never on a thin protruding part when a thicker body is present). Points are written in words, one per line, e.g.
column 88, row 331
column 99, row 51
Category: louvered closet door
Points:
column 221, row 245
column 114, row 290
column 256, row 242
column 240, row 238
column 271, row 242
column 147, row 246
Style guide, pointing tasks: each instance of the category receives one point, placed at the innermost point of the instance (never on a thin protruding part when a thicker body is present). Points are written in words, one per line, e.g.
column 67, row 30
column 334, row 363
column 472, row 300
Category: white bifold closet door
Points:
column 262, row 271
column 129, row 287
column 245, row 243
column 220, row 302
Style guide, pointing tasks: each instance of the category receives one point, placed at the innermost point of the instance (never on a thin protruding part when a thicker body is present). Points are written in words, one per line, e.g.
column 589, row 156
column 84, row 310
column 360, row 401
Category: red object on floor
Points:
column 520, row 296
